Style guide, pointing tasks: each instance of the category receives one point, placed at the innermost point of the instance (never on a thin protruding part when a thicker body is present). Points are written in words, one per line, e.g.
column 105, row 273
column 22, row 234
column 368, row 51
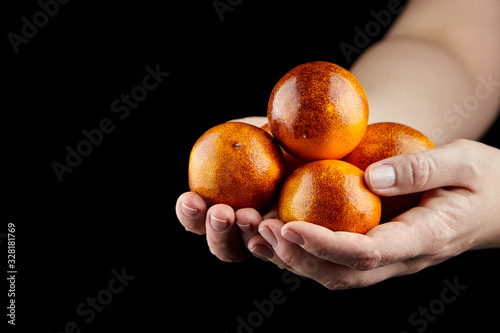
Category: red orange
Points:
column 384, row 140
column 237, row 164
column 318, row 110
column 330, row 193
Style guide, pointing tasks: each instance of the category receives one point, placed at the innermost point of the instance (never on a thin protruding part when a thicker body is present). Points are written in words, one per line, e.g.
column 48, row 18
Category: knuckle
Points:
column 218, row 243
column 341, row 283
column 280, row 264
column 350, row 282
column 474, row 173
column 412, row 266
column 218, row 247
column 420, row 171
column 473, row 166
column 322, row 252
column 335, row 286
column 444, row 235
column 368, row 260
column 441, row 237
column 289, row 258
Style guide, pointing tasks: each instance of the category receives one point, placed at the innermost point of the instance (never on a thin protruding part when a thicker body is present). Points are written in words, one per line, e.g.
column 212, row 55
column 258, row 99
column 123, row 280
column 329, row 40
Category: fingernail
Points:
column 269, row 236
column 246, row 228
column 262, row 251
column 293, row 237
column 218, row 224
column 382, row 176
column 188, row 211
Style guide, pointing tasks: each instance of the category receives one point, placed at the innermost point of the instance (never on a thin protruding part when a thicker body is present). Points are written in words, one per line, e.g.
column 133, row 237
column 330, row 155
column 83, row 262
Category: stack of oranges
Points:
column 310, row 157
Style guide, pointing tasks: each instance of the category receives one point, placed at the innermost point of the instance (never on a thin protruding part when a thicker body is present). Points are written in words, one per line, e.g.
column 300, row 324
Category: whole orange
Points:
column 318, row 110
column 291, row 162
column 330, row 193
column 384, row 140
column 237, row 164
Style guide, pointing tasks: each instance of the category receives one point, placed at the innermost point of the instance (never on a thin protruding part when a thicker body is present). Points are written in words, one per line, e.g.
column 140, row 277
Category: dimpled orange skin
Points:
column 291, row 162
column 318, row 110
column 384, row 140
column 237, row 164
column 330, row 193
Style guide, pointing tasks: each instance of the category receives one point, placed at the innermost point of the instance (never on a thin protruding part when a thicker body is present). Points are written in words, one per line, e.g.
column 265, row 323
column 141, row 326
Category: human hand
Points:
column 228, row 232
column 458, row 212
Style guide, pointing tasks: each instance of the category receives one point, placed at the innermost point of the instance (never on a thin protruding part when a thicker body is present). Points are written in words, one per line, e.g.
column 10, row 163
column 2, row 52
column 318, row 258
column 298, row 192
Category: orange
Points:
column 291, row 162
column 237, row 164
column 384, row 140
column 318, row 110
column 330, row 193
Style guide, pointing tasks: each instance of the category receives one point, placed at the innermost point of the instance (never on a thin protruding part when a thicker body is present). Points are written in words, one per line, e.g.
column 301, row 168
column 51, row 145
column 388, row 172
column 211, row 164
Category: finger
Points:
column 247, row 220
column 261, row 249
column 449, row 165
column 285, row 254
column 379, row 247
column 191, row 209
column 330, row 274
column 223, row 236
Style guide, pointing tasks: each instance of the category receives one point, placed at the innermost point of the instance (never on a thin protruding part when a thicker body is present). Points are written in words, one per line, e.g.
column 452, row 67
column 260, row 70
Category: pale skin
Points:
column 429, row 62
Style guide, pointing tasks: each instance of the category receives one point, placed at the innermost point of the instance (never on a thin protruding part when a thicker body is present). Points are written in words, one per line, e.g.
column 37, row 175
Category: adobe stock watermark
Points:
column 264, row 309
column 428, row 314
column 372, row 29
column 88, row 309
column 455, row 116
column 120, row 107
column 30, row 28
column 223, row 6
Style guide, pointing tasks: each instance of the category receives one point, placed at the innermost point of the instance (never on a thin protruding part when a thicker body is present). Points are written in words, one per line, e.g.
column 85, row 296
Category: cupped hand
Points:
column 227, row 231
column 458, row 212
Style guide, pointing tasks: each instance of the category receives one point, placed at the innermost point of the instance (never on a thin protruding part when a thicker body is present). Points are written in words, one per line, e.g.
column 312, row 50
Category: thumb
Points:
column 448, row 165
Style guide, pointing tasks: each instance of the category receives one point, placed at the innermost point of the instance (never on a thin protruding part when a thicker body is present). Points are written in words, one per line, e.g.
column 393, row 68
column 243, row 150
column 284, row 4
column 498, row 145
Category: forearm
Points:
column 423, row 77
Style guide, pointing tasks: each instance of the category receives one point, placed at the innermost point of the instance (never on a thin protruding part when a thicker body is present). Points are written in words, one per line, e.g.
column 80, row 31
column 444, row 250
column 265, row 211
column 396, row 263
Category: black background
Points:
column 115, row 210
